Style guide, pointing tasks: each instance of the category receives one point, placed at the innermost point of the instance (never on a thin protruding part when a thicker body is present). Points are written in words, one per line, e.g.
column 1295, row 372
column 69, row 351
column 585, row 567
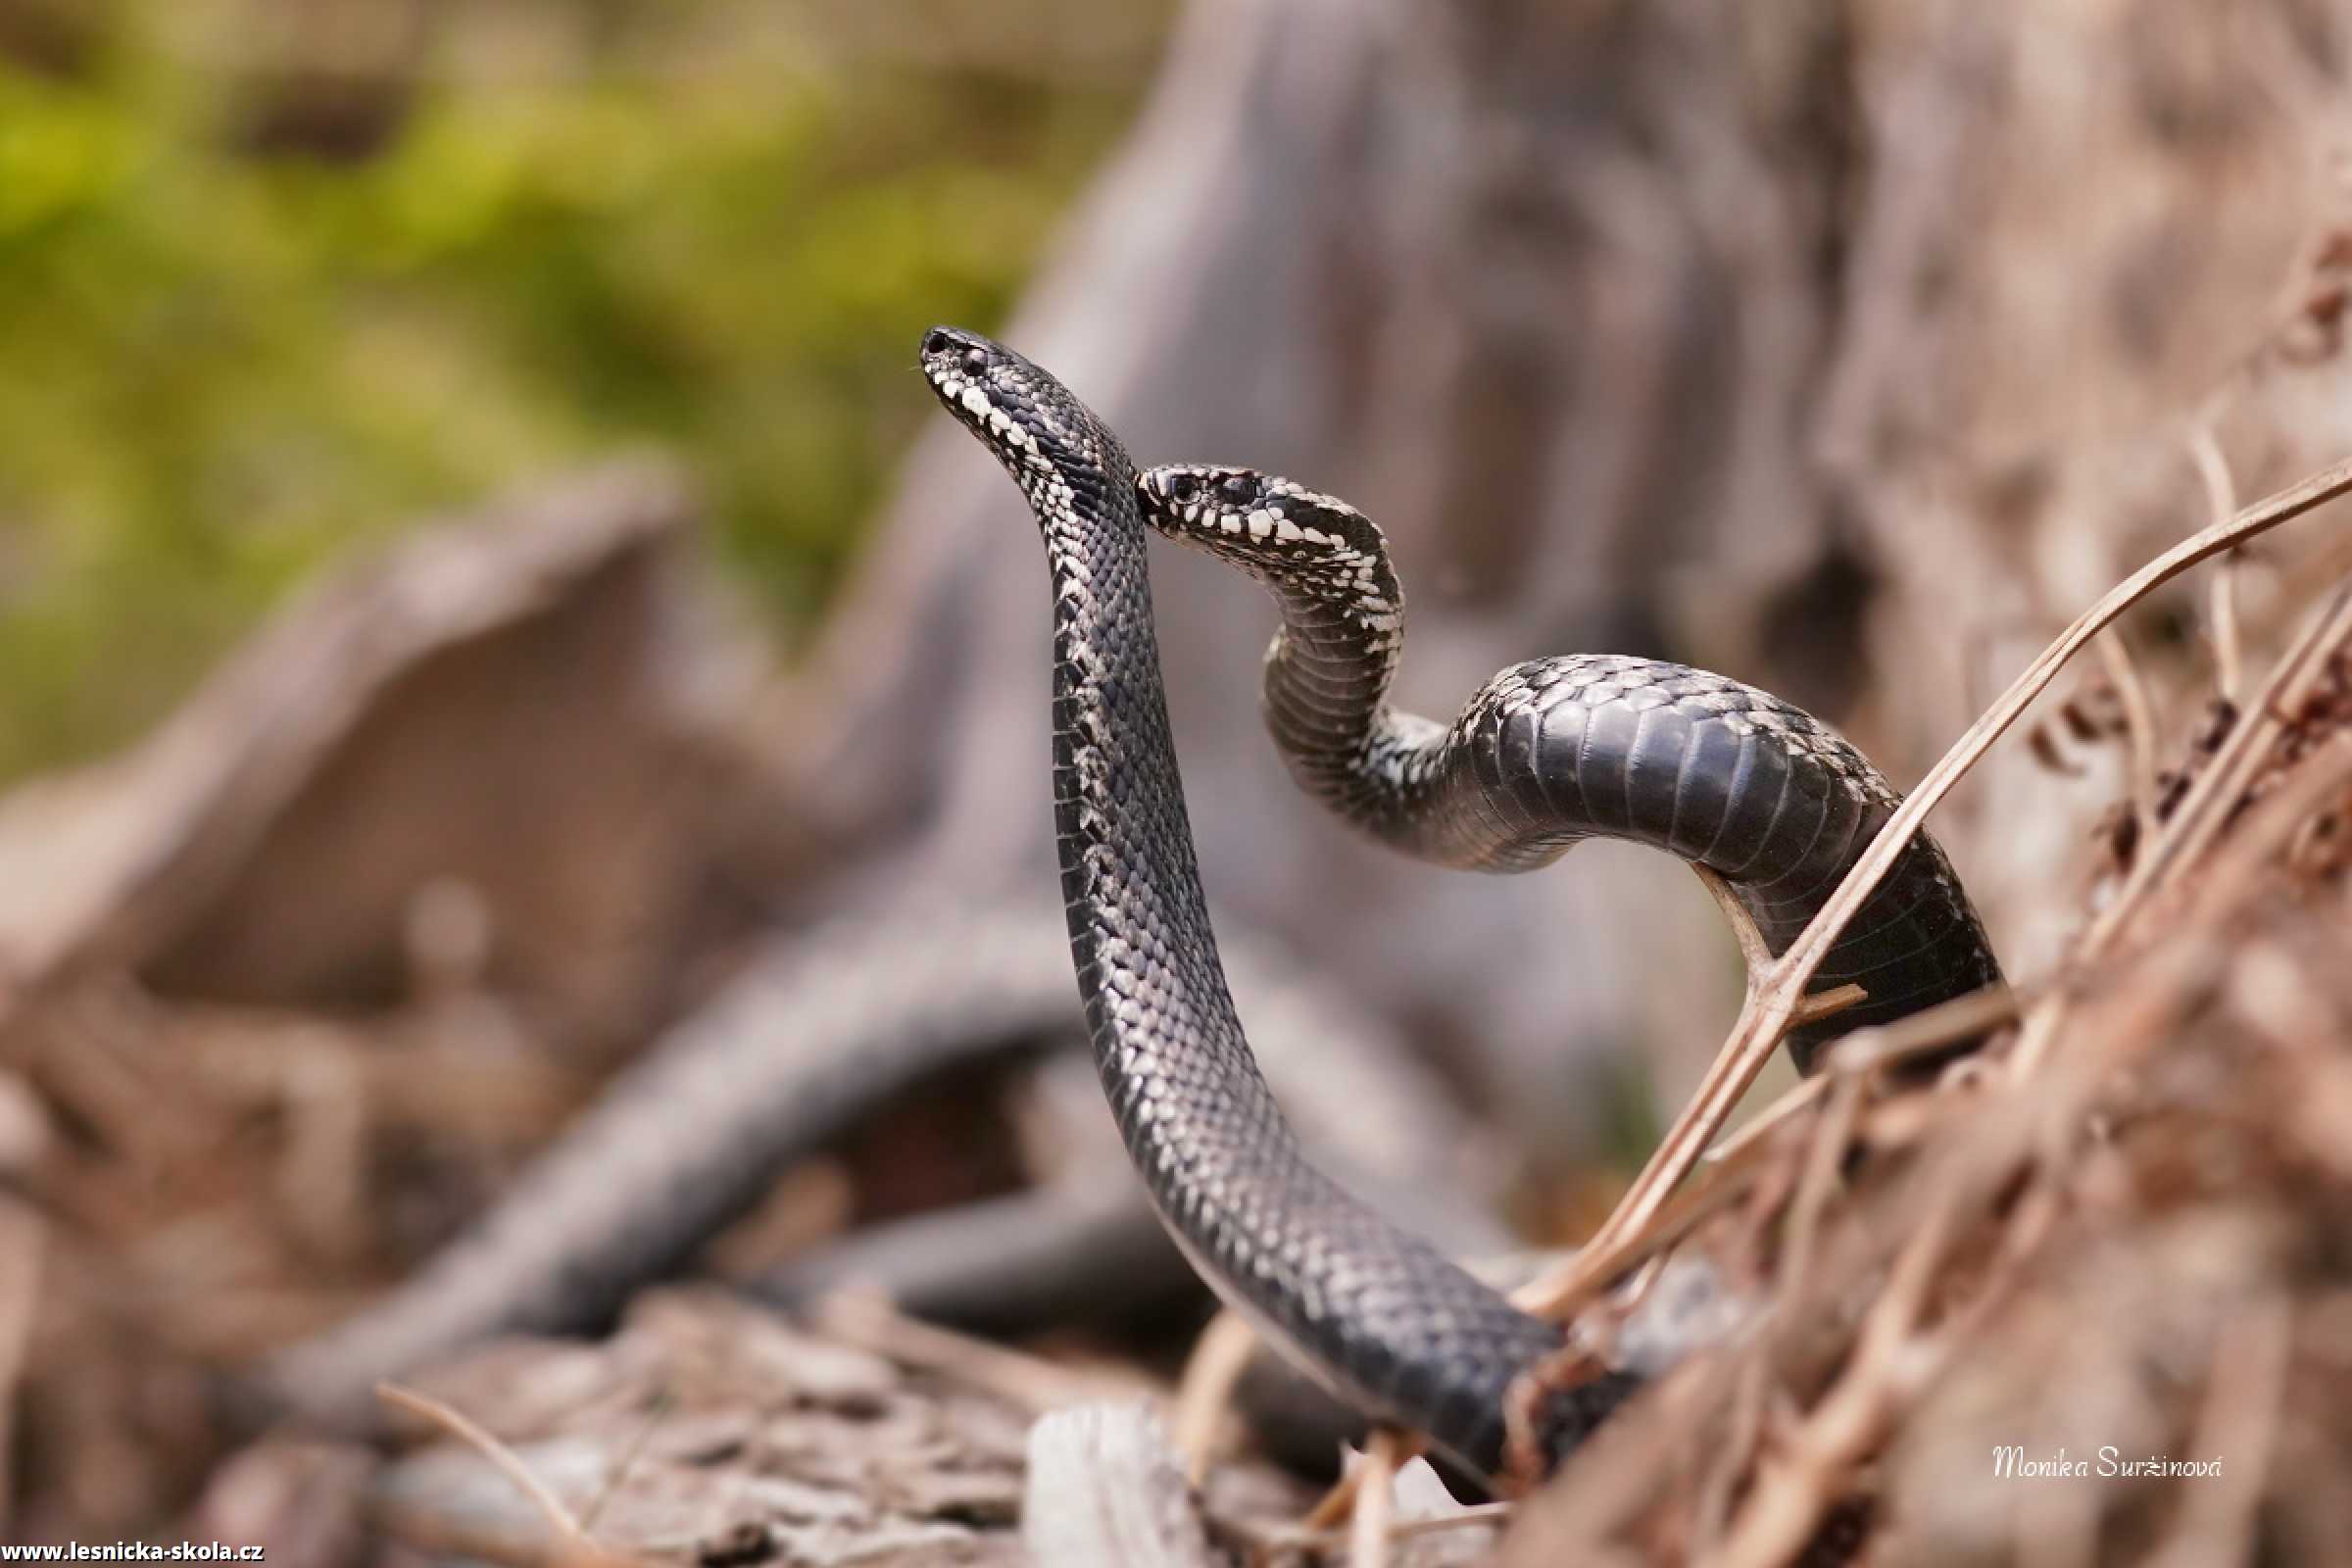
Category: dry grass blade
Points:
column 2244, row 1390
column 1796, row 1488
column 1562, row 1290
column 1865, row 1050
column 1816, row 1184
column 1375, row 1499
column 2028, row 1142
column 1775, row 997
column 2189, row 834
column 1804, row 956
column 653, row 1417
column 1220, row 1355
column 2215, row 795
column 573, row 1546
column 2221, row 496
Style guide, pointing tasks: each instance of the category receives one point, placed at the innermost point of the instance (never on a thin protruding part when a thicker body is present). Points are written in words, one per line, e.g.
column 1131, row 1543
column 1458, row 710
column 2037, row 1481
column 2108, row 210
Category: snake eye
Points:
column 975, row 361
column 936, row 344
column 1183, row 487
column 1238, row 489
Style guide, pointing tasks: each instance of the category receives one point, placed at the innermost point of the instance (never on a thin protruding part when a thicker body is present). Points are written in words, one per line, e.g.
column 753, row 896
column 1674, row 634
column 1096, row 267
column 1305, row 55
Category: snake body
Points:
column 1556, row 750
column 810, row 1039
column 1376, row 1312
column 1548, row 754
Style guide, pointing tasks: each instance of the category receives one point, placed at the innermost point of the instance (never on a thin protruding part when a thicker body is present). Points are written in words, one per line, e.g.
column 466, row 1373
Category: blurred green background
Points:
column 276, row 277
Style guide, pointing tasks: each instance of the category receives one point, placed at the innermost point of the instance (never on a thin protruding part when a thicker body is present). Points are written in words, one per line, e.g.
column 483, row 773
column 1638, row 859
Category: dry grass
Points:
column 2125, row 1232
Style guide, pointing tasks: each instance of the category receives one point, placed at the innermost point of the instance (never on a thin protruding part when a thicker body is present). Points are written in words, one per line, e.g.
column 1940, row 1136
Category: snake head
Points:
column 1273, row 528
column 1024, row 416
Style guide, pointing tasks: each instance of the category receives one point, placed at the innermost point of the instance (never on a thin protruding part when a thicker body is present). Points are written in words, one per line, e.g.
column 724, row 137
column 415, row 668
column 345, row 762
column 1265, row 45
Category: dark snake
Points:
column 1555, row 751
column 1548, row 754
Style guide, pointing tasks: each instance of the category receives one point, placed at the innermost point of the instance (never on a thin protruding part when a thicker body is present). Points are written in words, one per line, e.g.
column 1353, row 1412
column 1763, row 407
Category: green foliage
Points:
column 226, row 358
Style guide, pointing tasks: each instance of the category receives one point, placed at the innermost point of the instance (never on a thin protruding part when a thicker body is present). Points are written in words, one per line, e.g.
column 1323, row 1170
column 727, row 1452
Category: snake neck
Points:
column 1138, row 920
column 1325, row 691
column 1387, row 772
column 1330, row 667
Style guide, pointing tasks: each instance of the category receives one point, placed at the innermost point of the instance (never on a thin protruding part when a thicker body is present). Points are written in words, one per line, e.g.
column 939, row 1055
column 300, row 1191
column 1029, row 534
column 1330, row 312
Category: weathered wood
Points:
column 418, row 716
column 1104, row 1488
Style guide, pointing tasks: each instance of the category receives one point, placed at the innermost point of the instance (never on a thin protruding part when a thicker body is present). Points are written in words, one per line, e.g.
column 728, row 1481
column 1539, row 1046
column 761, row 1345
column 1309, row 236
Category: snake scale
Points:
column 1548, row 754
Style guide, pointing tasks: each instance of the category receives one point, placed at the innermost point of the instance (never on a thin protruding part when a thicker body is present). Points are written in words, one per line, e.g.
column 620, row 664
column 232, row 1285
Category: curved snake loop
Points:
column 1725, row 775
column 1555, row 751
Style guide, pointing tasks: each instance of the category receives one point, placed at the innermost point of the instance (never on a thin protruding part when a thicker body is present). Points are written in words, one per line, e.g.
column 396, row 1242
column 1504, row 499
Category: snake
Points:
column 1548, row 754
column 1555, row 751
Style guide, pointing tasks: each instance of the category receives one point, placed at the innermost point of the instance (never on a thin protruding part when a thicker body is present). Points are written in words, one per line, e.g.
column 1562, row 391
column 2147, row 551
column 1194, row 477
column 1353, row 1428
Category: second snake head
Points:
column 1276, row 529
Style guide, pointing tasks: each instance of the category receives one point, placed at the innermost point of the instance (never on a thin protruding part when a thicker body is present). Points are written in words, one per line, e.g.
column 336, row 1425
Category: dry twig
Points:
column 2220, row 502
column 1220, row 1355
column 1375, row 1498
column 575, row 1548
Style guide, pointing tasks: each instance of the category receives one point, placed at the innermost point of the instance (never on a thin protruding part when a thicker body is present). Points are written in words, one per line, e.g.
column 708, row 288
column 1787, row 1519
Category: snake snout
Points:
column 1258, row 521
column 1176, row 493
column 951, row 353
column 1002, row 398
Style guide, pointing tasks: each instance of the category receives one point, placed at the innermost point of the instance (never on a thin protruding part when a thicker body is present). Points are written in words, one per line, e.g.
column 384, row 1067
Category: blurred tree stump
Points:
column 1539, row 288
column 520, row 706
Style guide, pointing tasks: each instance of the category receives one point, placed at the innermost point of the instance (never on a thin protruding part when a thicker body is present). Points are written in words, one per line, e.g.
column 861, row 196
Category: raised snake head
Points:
column 1273, row 528
column 1061, row 455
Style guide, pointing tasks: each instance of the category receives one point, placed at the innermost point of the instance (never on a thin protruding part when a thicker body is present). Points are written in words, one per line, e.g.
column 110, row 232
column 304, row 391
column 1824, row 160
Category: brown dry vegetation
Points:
column 1920, row 323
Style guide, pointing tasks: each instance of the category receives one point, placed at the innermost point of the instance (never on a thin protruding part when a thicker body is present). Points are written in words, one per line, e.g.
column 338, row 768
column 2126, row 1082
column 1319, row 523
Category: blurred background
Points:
column 280, row 277
column 477, row 565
